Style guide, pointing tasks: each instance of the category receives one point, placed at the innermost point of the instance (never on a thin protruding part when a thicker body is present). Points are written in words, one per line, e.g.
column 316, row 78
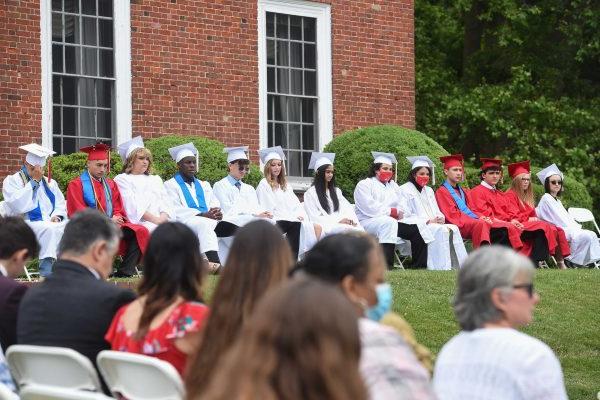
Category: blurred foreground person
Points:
column 301, row 343
column 253, row 268
column 166, row 319
column 489, row 358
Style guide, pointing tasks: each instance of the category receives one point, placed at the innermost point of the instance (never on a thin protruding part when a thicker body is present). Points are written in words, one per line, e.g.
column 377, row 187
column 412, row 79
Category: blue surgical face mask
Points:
column 384, row 302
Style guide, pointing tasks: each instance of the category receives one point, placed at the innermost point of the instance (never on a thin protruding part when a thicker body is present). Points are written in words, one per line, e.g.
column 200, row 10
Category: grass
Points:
column 567, row 318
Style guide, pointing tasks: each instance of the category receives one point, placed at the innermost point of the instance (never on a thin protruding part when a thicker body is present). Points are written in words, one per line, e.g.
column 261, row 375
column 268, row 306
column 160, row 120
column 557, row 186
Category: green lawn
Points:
column 567, row 318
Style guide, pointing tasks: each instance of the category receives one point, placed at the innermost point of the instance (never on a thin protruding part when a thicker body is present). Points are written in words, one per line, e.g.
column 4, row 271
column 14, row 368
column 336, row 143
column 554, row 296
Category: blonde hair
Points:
column 526, row 196
column 281, row 179
column 128, row 165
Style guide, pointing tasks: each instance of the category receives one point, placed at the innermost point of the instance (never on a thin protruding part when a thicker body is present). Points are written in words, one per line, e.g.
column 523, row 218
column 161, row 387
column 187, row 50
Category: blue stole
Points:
column 460, row 200
column 89, row 193
column 201, row 204
column 36, row 213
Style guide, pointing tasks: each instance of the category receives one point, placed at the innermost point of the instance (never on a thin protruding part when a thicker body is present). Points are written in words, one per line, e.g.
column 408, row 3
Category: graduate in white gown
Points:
column 276, row 196
column 195, row 204
column 490, row 358
column 447, row 251
column 39, row 200
column 585, row 247
column 380, row 210
column 144, row 197
column 324, row 202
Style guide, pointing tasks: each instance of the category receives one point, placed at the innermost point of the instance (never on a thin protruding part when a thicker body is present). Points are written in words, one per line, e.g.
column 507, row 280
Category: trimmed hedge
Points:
column 213, row 162
column 353, row 160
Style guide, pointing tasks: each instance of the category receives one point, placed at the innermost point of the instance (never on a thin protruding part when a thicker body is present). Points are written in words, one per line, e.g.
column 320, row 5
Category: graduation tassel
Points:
column 49, row 169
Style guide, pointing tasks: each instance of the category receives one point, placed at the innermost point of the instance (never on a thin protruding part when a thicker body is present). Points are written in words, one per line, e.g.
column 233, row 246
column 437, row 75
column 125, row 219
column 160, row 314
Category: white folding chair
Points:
column 38, row 392
column 6, row 393
column 51, row 366
column 584, row 215
column 139, row 377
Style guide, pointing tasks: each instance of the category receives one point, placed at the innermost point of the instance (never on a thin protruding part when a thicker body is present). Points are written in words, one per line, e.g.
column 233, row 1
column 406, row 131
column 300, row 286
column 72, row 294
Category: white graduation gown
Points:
column 285, row 206
column 330, row 222
column 202, row 226
column 423, row 207
column 585, row 247
column 141, row 194
column 19, row 199
column 373, row 201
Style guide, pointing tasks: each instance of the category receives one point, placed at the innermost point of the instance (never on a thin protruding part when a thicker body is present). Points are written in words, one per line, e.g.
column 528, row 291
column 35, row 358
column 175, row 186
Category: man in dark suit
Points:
column 74, row 306
column 17, row 245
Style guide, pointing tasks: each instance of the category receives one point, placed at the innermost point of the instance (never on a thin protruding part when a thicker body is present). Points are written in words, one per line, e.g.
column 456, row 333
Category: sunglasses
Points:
column 556, row 182
column 526, row 286
column 244, row 168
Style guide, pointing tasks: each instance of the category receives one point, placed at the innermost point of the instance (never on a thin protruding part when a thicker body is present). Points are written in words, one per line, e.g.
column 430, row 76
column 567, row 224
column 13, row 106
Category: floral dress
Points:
column 159, row 342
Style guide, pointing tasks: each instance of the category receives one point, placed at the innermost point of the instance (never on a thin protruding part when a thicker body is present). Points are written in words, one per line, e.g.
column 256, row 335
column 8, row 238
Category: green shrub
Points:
column 213, row 162
column 353, row 152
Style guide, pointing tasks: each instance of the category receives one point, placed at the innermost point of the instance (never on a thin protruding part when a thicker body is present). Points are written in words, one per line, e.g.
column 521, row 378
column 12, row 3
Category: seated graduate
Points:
column 93, row 189
column 528, row 238
column 144, row 196
column 239, row 200
column 380, row 210
column 277, row 197
column 585, row 248
column 520, row 199
column 39, row 200
column 454, row 202
column 324, row 202
column 194, row 203
column 447, row 251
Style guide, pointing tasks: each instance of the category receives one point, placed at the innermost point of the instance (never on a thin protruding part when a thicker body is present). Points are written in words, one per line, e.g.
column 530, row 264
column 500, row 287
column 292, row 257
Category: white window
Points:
column 295, row 100
column 86, row 95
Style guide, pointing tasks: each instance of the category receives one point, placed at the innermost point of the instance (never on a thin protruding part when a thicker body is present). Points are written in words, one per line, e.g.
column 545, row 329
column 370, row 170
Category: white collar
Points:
column 486, row 185
column 3, row 271
column 94, row 272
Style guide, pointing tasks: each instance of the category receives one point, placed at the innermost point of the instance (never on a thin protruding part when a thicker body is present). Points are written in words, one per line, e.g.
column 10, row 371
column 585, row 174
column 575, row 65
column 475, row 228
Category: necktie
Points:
column 238, row 185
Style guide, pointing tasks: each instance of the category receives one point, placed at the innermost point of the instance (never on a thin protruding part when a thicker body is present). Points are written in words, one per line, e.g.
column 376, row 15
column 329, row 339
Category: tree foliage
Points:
column 514, row 79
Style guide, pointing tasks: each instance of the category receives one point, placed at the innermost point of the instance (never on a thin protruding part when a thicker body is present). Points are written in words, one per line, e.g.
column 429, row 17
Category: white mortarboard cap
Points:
column 125, row 149
column 36, row 154
column 383, row 158
column 422, row 161
column 271, row 153
column 317, row 160
column 549, row 171
column 236, row 153
column 182, row 151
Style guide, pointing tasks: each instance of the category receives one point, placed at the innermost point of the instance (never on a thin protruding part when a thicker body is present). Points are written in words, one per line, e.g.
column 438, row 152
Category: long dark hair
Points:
column 173, row 267
column 301, row 343
column 260, row 258
column 321, row 186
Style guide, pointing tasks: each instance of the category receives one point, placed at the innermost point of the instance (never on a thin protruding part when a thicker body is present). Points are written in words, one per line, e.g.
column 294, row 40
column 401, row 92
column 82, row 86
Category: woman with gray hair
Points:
column 489, row 358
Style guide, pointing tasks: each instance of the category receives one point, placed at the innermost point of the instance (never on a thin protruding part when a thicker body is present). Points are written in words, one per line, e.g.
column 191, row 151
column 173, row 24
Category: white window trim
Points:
column 322, row 13
column 122, row 68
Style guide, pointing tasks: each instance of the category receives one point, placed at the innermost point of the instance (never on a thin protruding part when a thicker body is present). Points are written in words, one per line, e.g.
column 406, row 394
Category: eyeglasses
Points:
column 525, row 179
column 527, row 286
column 556, row 182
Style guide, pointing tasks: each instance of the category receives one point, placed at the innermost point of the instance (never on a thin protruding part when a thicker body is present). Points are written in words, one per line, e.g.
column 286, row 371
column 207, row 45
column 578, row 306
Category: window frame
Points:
column 322, row 14
column 122, row 98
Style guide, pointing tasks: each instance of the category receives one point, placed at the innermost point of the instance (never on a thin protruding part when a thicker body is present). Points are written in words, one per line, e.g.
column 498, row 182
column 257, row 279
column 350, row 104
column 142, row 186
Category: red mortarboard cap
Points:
column 490, row 162
column 98, row 151
column 454, row 160
column 518, row 168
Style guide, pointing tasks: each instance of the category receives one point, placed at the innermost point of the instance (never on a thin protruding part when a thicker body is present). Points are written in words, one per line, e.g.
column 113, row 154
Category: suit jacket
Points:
column 11, row 293
column 71, row 308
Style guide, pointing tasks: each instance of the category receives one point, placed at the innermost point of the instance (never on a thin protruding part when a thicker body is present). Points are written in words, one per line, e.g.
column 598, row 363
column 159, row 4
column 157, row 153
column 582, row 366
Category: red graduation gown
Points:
column 76, row 203
column 475, row 229
column 523, row 212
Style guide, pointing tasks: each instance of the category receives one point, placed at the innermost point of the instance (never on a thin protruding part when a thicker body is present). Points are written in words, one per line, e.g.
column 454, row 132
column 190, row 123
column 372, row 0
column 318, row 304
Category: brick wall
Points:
column 20, row 80
column 194, row 69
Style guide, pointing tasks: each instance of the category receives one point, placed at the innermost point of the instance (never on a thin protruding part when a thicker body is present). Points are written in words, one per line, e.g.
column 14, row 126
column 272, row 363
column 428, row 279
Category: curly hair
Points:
column 128, row 164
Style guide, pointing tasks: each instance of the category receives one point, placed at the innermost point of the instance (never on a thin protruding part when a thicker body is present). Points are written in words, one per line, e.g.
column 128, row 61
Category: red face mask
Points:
column 384, row 176
column 422, row 180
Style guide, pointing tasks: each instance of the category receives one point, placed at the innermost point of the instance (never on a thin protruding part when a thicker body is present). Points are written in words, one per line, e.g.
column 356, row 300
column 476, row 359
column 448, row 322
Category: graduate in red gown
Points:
column 93, row 189
column 536, row 239
column 453, row 200
column 520, row 199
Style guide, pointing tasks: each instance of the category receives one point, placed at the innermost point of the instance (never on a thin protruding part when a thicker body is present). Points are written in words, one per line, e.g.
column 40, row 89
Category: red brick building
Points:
column 255, row 72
